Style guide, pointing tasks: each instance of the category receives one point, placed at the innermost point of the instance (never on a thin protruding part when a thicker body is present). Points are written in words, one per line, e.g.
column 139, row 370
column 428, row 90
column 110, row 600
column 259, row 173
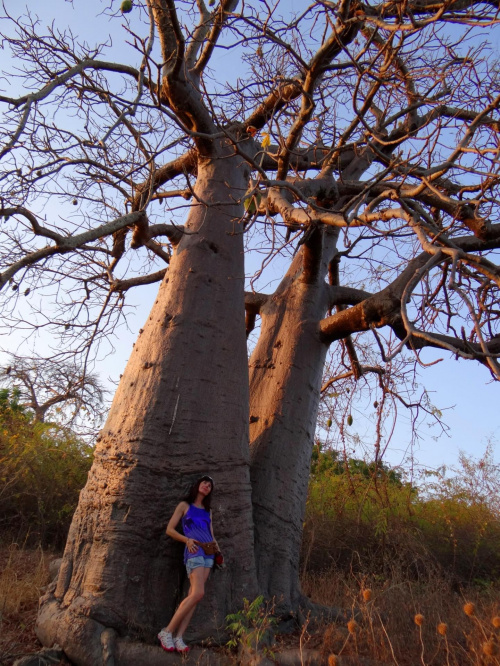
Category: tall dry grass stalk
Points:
column 23, row 574
column 405, row 622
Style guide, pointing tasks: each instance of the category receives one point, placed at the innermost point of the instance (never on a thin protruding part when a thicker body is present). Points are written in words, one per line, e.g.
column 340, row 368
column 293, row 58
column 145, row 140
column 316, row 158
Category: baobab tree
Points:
column 358, row 140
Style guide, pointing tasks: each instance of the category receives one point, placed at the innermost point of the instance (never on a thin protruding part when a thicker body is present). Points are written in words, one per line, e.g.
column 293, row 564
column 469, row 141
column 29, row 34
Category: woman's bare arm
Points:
column 212, row 529
column 179, row 512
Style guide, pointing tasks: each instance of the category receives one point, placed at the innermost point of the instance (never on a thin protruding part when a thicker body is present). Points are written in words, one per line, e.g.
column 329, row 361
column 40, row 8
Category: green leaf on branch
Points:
column 251, row 202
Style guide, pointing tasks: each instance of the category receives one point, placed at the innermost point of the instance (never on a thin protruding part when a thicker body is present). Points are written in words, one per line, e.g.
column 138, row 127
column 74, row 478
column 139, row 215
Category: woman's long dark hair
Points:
column 193, row 492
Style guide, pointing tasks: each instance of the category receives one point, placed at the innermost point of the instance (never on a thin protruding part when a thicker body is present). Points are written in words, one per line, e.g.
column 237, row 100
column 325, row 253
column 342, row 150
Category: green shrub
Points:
column 362, row 517
column 43, row 467
column 251, row 627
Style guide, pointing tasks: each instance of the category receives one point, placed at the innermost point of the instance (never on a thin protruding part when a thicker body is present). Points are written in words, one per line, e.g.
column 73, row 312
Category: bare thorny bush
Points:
column 54, row 390
column 377, row 121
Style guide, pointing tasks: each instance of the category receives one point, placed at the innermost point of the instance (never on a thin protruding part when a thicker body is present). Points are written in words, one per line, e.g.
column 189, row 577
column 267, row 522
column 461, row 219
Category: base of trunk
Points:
column 87, row 641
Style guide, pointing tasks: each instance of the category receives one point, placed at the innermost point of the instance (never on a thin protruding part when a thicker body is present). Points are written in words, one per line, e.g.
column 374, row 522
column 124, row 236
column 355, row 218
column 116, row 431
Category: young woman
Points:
column 196, row 517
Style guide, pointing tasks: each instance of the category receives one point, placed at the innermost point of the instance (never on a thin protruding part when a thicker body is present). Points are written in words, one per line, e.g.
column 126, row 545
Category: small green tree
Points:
column 56, row 390
column 43, row 466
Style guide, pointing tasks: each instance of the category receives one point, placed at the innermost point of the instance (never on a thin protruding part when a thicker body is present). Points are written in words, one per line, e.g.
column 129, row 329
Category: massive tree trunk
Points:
column 181, row 410
column 286, row 370
column 285, row 379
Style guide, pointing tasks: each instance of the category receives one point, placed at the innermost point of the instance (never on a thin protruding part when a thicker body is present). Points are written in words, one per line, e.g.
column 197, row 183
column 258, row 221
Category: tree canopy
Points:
column 100, row 150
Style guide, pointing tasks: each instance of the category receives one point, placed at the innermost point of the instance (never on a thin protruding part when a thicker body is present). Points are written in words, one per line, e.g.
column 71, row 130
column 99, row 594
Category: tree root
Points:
column 138, row 654
column 85, row 641
column 315, row 615
column 46, row 657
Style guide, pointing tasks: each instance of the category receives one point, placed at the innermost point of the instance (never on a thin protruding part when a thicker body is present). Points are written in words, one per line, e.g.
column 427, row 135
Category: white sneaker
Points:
column 180, row 646
column 166, row 640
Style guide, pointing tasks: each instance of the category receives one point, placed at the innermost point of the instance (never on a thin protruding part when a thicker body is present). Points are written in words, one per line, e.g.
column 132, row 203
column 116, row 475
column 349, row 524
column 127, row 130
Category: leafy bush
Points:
column 251, row 627
column 43, row 467
column 364, row 516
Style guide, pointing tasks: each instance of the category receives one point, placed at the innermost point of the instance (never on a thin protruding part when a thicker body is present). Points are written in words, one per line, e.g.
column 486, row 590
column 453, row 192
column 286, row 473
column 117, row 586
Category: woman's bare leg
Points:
column 196, row 592
column 187, row 618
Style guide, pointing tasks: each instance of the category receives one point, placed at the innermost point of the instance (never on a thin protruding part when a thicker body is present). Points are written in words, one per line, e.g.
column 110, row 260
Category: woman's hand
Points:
column 191, row 545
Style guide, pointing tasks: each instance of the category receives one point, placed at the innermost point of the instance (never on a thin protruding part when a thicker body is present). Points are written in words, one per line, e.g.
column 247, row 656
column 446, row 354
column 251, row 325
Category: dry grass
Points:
column 23, row 575
column 409, row 623
column 393, row 620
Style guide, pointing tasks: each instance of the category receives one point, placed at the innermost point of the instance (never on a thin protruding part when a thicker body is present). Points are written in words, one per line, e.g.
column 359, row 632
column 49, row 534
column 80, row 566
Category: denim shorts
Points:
column 199, row 561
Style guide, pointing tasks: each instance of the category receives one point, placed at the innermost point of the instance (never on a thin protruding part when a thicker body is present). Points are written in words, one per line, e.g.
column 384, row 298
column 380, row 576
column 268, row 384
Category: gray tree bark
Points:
column 285, row 380
column 181, row 410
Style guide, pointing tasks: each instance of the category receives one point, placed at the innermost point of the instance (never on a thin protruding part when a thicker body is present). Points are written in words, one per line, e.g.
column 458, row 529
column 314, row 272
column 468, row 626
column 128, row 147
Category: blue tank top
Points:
column 196, row 525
